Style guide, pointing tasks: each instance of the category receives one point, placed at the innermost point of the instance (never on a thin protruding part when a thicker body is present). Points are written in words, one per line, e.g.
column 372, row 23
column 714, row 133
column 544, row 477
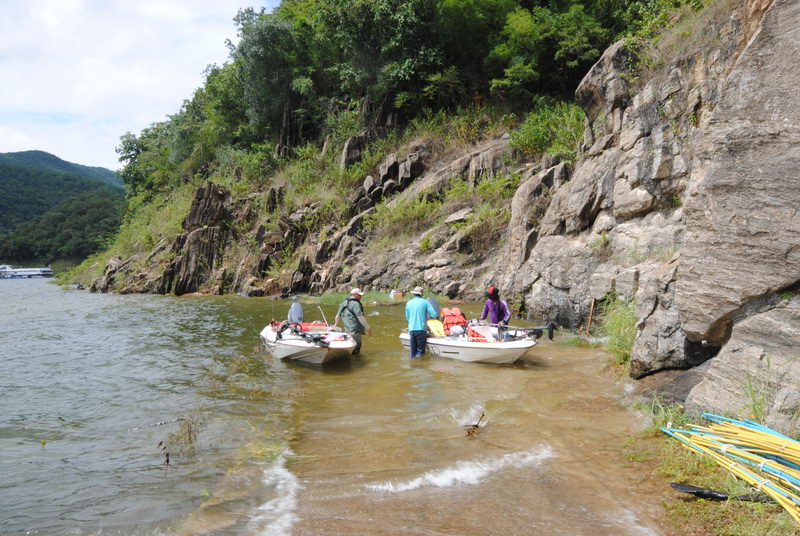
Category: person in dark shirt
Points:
column 496, row 309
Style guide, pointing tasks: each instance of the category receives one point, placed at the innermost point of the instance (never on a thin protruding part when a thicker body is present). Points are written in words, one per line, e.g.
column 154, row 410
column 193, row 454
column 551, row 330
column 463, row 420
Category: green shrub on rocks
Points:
column 552, row 128
column 409, row 216
column 619, row 325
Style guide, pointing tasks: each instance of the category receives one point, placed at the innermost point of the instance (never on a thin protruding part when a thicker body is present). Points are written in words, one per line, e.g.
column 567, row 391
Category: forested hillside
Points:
column 313, row 68
column 71, row 230
column 52, row 210
column 41, row 159
column 33, row 182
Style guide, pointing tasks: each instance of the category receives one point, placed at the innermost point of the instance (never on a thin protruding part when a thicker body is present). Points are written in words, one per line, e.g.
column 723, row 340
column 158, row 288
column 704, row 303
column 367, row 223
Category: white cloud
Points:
column 76, row 74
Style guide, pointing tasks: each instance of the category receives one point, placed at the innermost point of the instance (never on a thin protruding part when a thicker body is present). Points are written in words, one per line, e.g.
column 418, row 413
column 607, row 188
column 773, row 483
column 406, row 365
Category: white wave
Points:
column 277, row 516
column 465, row 472
column 470, row 416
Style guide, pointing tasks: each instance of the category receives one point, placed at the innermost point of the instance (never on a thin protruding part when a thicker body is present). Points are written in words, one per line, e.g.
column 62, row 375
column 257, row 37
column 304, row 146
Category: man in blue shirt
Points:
column 418, row 311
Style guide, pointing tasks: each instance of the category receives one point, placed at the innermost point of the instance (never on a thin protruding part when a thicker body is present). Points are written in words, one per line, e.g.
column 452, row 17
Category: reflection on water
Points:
column 371, row 445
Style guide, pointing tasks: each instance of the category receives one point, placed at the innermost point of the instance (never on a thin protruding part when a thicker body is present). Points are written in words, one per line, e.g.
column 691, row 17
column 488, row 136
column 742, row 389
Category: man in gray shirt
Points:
column 351, row 313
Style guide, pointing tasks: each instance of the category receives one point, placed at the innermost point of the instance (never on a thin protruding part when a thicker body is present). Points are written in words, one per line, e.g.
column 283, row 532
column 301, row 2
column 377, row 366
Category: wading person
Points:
column 496, row 309
column 351, row 313
column 418, row 311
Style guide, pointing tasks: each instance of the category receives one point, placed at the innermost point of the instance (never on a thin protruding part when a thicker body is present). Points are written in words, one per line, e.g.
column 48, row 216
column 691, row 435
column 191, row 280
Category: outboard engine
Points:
column 296, row 313
column 435, row 306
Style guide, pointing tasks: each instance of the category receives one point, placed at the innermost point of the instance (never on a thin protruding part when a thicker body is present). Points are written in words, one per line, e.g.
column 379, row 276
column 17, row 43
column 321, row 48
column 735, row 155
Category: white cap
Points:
column 357, row 291
column 417, row 291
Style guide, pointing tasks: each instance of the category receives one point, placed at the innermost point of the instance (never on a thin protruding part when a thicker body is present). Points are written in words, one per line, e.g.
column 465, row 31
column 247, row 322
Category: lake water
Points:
column 95, row 390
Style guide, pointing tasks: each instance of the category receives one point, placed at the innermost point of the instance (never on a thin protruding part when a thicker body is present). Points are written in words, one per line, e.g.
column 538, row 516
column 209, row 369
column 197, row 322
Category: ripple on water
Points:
column 81, row 377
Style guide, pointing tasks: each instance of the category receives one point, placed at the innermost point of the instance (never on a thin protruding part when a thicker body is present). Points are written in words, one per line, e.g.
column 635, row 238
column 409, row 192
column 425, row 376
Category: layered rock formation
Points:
column 758, row 370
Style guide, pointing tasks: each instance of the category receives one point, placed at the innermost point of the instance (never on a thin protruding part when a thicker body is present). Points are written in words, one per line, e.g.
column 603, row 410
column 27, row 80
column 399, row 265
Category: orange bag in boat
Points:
column 453, row 317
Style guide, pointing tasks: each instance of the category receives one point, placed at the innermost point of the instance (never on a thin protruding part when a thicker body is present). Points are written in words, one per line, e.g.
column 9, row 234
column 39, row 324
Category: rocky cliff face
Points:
column 684, row 199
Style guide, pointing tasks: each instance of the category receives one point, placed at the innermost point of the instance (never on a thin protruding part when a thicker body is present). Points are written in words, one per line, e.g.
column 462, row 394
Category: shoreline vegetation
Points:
column 661, row 459
column 373, row 298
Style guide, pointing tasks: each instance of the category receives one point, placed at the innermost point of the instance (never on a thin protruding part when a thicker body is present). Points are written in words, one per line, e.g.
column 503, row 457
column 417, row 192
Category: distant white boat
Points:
column 7, row 272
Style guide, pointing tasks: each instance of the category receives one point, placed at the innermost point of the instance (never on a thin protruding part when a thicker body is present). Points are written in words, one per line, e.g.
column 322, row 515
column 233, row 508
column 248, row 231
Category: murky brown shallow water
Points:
column 381, row 448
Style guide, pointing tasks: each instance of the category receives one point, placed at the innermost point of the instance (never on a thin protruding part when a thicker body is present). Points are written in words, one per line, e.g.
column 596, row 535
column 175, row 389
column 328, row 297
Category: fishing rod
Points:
column 550, row 327
column 323, row 315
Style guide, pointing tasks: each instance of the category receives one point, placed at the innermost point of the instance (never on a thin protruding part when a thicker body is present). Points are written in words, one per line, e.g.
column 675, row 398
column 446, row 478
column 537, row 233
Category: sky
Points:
column 75, row 75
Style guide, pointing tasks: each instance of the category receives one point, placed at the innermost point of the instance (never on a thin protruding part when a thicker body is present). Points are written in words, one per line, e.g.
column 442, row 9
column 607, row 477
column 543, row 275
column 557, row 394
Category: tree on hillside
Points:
column 297, row 69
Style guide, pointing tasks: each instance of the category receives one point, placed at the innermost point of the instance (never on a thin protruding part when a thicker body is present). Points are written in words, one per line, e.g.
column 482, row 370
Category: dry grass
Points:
column 689, row 34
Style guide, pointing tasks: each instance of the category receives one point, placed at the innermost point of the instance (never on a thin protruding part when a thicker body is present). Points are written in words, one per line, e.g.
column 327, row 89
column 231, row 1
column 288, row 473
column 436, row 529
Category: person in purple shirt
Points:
column 496, row 309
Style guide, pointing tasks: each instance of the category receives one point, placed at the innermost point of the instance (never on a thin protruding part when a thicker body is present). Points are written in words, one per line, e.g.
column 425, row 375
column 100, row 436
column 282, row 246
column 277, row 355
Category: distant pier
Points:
column 7, row 272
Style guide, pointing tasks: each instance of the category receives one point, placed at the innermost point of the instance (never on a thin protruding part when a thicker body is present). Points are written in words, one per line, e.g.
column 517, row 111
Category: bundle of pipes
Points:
column 765, row 459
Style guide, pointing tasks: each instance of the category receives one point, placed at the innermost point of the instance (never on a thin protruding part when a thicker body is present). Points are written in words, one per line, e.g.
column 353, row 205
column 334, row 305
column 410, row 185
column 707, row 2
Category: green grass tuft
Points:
column 552, row 128
column 335, row 298
column 618, row 323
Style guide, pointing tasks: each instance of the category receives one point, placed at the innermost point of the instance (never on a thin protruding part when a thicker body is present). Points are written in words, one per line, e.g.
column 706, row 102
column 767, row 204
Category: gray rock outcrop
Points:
column 742, row 208
column 198, row 249
column 352, row 150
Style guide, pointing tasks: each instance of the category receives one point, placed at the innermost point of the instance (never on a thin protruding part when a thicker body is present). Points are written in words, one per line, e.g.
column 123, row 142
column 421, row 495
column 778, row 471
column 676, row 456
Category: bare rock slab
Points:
column 742, row 210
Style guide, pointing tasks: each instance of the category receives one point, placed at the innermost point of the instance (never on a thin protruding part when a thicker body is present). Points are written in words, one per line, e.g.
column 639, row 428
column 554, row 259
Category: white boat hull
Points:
column 295, row 348
column 460, row 348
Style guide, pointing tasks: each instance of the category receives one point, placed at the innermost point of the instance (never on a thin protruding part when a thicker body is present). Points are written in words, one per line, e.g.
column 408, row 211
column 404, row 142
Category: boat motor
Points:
column 435, row 306
column 296, row 315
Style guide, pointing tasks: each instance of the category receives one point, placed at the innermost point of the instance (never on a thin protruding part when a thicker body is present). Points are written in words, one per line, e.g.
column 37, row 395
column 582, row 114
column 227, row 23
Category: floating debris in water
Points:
column 472, row 429
column 162, row 423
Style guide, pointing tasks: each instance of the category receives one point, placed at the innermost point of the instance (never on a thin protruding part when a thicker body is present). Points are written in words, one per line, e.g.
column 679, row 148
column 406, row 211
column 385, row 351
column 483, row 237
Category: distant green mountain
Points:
column 45, row 160
column 73, row 229
column 33, row 182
